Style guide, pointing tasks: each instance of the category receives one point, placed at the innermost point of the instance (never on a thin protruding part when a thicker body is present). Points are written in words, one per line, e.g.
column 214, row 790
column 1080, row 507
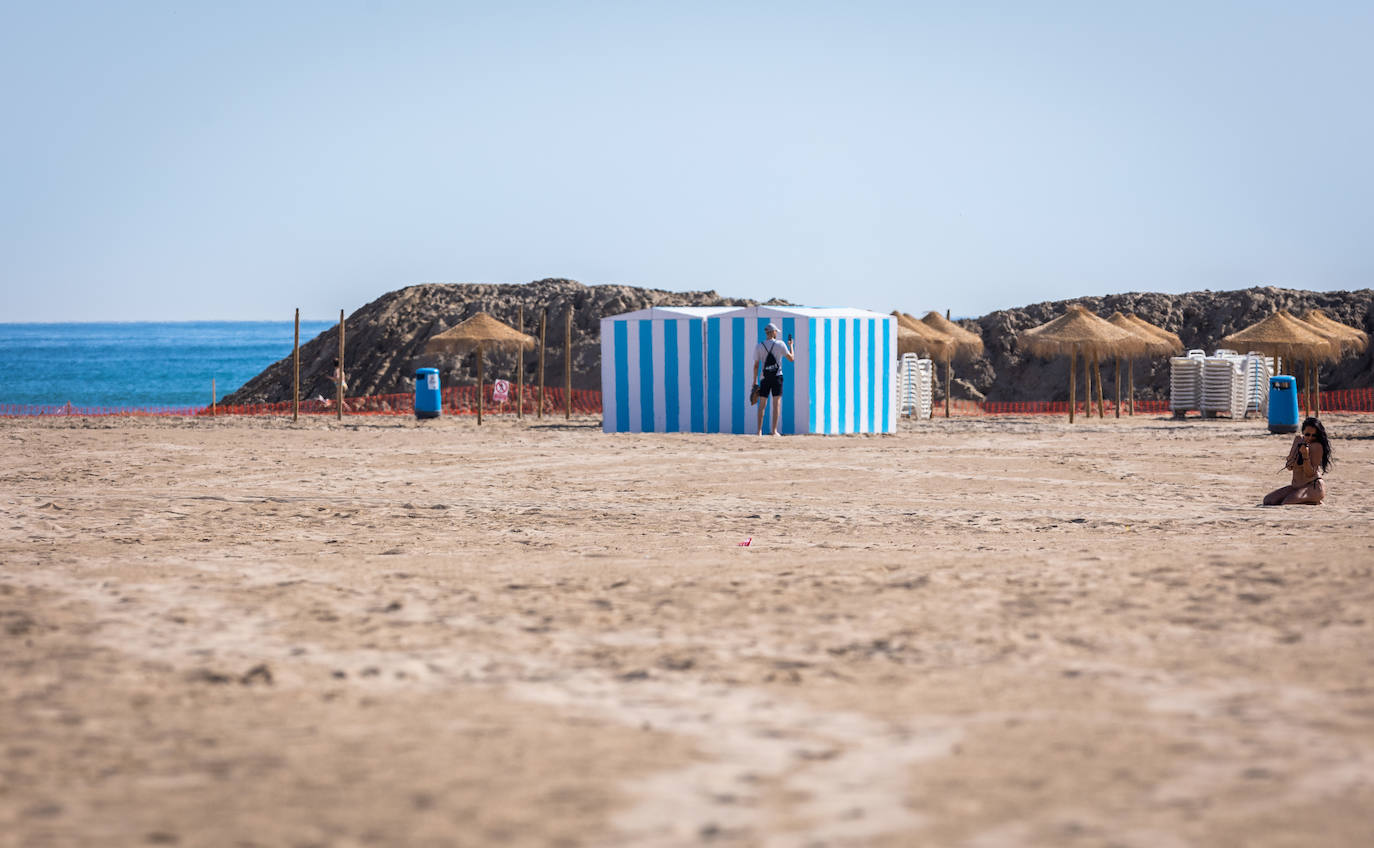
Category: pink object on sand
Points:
column 747, row 542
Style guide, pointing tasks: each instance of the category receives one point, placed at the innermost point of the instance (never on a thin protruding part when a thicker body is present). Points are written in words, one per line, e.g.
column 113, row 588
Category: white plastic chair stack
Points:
column 1257, row 376
column 1185, row 384
column 926, row 394
column 914, row 385
column 1223, row 385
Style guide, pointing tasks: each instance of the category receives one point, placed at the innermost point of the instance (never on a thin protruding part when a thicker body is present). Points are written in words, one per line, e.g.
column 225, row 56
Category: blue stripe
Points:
column 695, row 376
column 871, row 373
column 646, row 377
column 858, row 358
column 670, row 377
column 789, row 371
column 887, row 373
column 813, row 362
column 713, row 375
column 843, row 376
column 622, row 377
column 737, row 362
column 763, row 401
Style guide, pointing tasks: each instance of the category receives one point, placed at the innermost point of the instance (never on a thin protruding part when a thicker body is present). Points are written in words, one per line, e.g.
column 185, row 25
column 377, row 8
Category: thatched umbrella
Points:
column 1169, row 344
column 922, row 338
column 1343, row 340
column 1350, row 339
column 966, row 345
column 1078, row 331
column 1175, row 343
column 478, row 333
column 1146, row 343
column 1282, row 335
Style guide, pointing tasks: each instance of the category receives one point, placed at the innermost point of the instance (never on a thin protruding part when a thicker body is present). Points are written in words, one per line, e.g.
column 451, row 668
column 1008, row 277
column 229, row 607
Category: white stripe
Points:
column 727, row 376
column 801, row 378
column 684, row 376
column 660, row 386
column 833, row 386
column 863, row 372
column 632, row 357
column 608, row 423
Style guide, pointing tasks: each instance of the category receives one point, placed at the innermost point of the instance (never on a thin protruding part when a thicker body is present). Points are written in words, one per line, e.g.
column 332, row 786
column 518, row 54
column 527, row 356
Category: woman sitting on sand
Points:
column 1309, row 458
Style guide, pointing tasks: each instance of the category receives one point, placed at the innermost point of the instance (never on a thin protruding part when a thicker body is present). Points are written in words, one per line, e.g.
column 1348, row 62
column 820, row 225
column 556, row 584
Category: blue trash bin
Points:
column 428, row 401
column 1283, row 404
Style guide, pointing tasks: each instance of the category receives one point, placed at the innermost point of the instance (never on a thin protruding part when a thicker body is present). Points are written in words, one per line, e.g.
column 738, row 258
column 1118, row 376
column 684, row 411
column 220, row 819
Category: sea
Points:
column 139, row 365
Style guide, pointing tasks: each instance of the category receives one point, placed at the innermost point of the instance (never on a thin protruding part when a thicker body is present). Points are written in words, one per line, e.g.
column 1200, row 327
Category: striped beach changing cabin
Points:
column 689, row 369
column 843, row 380
column 651, row 370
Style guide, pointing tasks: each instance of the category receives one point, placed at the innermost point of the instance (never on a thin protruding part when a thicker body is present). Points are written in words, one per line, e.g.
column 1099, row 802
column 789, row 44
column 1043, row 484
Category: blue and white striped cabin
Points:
column 689, row 369
column 652, row 363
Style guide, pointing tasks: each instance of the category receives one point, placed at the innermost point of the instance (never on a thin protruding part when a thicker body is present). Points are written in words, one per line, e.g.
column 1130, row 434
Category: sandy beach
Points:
column 977, row 632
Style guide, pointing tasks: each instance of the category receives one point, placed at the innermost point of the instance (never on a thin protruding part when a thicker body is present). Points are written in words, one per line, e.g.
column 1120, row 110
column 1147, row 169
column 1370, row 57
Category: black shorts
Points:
column 771, row 386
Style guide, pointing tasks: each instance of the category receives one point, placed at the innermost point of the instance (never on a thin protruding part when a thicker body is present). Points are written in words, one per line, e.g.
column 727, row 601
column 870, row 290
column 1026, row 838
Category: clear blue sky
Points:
column 164, row 161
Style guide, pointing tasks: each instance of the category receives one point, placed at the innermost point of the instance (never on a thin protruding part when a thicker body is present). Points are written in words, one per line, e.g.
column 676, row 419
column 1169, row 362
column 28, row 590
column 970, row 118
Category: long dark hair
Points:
column 1320, row 439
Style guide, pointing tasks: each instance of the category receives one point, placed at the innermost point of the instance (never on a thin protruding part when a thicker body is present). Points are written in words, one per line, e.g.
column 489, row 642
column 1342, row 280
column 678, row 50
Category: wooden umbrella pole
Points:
column 1097, row 377
column 520, row 368
column 1087, row 388
column 339, row 377
column 479, row 385
column 1130, row 384
column 1316, row 390
column 1073, row 383
column 296, row 370
column 212, row 397
column 949, row 383
column 567, row 367
column 1301, row 388
column 543, row 329
column 1118, row 387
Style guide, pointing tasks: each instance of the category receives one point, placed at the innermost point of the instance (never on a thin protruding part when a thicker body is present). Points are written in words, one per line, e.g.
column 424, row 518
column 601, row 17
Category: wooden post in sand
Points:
column 296, row 370
column 212, row 397
column 949, row 382
column 1118, row 387
column 1316, row 390
column 1130, row 383
column 480, row 357
column 1073, row 384
column 339, row 375
column 567, row 367
column 520, row 367
column 1097, row 375
column 543, row 332
column 1087, row 388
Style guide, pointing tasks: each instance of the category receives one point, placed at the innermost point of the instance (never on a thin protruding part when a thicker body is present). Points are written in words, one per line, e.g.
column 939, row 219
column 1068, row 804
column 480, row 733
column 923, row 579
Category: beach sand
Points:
column 978, row 632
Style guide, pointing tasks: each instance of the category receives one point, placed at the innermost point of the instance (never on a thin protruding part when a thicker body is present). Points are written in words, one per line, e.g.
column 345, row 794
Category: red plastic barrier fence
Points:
column 462, row 400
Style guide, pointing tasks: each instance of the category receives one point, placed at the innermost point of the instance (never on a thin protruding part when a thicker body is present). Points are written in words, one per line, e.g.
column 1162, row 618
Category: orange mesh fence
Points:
column 462, row 400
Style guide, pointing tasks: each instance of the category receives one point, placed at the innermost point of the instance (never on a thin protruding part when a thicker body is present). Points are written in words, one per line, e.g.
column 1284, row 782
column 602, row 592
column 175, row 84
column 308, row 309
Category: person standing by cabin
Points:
column 768, row 356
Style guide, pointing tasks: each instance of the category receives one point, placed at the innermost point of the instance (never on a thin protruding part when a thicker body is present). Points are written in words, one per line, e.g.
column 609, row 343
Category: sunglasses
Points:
column 1311, row 435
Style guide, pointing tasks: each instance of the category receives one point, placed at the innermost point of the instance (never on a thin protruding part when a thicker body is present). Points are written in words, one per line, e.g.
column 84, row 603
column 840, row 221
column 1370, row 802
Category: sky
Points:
column 235, row 161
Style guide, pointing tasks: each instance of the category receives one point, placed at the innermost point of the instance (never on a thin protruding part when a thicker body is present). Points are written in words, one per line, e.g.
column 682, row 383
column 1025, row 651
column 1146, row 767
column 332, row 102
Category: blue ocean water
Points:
column 139, row 365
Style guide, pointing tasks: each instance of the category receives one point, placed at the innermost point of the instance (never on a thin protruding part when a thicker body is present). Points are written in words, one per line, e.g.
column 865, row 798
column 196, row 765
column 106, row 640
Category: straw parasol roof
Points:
column 1174, row 342
column 965, row 343
column 1283, row 335
column 479, row 331
column 920, row 337
column 1350, row 339
column 1145, row 343
column 1078, row 331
